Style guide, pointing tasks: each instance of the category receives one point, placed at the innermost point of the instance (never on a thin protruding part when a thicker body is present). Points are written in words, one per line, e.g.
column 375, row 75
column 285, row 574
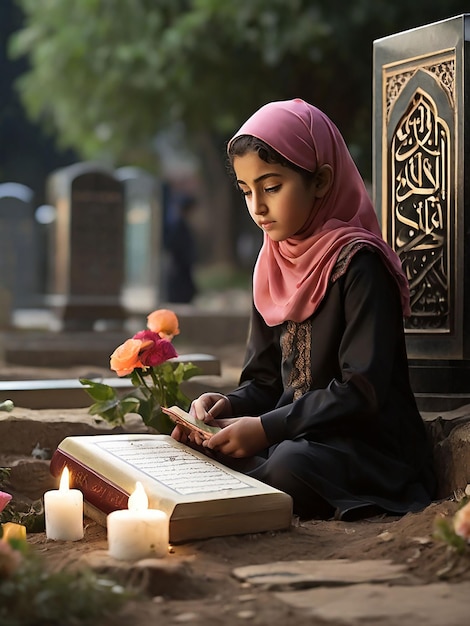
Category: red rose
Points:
column 154, row 350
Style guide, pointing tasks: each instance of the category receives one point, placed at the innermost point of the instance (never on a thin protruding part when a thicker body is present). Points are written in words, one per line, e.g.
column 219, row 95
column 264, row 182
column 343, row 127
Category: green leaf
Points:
column 98, row 391
column 135, row 377
column 33, row 518
column 102, row 407
column 190, row 370
column 161, row 423
column 130, row 405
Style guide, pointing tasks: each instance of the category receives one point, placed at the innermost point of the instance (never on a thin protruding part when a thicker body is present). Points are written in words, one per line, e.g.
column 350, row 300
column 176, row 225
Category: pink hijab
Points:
column 292, row 276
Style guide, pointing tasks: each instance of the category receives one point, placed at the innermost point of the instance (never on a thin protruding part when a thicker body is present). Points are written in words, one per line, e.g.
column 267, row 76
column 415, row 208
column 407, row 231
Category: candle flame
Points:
column 138, row 500
column 64, row 479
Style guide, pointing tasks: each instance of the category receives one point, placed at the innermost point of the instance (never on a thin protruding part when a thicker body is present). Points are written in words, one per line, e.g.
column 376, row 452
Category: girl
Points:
column 324, row 410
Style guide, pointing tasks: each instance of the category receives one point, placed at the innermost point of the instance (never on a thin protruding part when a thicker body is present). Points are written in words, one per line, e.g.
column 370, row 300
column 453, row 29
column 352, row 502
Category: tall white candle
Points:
column 137, row 532
column 63, row 510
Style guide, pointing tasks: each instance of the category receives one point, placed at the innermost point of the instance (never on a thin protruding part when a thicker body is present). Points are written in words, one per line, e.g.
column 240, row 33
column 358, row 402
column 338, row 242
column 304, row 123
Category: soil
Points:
column 202, row 588
column 206, row 592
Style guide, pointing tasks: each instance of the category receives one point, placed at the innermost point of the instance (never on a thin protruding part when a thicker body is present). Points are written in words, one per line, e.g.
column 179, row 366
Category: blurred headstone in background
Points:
column 88, row 269
column 143, row 247
column 18, row 245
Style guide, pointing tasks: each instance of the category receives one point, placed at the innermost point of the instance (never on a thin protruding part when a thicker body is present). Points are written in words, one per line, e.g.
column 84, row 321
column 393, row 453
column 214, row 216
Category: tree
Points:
column 107, row 75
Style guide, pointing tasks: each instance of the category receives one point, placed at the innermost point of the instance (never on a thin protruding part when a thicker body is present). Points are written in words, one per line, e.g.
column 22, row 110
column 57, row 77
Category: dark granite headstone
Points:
column 18, row 245
column 421, row 187
column 142, row 238
column 89, row 245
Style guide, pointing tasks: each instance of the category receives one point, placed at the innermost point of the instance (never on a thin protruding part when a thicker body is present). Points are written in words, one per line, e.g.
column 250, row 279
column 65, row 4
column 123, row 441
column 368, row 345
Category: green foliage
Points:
column 154, row 387
column 32, row 595
column 109, row 74
column 32, row 518
column 107, row 402
column 4, row 475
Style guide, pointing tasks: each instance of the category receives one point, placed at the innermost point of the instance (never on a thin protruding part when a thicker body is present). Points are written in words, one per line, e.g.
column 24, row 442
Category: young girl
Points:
column 324, row 410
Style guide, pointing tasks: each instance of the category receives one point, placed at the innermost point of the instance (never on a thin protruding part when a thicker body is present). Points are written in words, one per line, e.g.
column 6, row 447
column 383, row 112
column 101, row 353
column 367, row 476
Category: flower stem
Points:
column 159, row 387
column 143, row 381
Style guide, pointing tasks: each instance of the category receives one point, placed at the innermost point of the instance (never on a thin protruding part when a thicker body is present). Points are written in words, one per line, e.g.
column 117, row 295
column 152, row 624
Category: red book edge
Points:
column 97, row 490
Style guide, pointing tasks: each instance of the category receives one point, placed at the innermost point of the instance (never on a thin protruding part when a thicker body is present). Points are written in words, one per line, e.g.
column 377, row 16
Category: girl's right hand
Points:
column 206, row 408
column 210, row 406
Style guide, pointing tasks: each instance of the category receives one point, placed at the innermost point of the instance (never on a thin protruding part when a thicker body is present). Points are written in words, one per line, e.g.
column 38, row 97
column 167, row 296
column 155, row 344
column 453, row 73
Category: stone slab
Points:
column 436, row 604
column 315, row 573
column 70, row 393
column 154, row 576
column 22, row 430
column 449, row 432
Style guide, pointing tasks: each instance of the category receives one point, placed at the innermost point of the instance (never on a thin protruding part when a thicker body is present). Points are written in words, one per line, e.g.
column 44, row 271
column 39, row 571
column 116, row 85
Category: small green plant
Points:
column 33, row 596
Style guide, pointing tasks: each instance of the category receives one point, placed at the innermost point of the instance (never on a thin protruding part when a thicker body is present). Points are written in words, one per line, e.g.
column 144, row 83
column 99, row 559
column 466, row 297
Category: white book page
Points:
column 178, row 469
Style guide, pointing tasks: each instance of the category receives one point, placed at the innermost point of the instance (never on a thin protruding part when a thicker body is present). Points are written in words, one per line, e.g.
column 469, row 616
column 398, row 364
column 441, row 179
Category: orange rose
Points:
column 462, row 522
column 164, row 322
column 126, row 357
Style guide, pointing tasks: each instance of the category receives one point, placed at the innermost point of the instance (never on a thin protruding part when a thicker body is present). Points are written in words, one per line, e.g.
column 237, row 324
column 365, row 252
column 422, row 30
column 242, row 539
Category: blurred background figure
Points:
column 180, row 245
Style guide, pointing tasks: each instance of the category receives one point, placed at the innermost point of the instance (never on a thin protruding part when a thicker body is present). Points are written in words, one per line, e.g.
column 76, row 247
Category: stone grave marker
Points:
column 19, row 245
column 422, row 191
column 89, row 245
column 142, row 238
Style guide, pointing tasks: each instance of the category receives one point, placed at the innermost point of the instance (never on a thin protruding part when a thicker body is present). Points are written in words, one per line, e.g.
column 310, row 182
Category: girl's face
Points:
column 278, row 198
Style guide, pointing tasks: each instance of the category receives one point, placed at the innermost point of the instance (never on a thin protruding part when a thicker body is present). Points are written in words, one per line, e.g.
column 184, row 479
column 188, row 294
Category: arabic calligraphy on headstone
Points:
column 420, row 209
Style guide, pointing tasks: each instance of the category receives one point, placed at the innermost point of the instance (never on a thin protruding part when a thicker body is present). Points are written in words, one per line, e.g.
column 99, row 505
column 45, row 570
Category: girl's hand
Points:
column 209, row 406
column 179, row 434
column 206, row 408
column 240, row 437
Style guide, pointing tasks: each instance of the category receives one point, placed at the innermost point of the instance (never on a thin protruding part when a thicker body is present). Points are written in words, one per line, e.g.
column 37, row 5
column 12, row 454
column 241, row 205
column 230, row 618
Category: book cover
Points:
column 188, row 422
column 202, row 497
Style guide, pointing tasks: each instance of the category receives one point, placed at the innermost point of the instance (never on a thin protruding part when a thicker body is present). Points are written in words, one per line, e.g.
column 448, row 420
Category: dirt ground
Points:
column 203, row 589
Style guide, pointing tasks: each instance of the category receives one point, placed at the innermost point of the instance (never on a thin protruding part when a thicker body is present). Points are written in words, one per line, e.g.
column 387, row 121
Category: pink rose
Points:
column 4, row 500
column 154, row 350
column 462, row 522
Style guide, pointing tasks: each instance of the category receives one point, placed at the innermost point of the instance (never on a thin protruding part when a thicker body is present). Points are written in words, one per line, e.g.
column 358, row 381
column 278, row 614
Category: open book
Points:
column 202, row 497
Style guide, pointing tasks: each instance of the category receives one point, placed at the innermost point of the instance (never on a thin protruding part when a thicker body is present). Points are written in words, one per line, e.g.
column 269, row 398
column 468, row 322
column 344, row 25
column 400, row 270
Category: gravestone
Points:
column 88, row 265
column 142, row 238
column 421, row 187
column 18, row 245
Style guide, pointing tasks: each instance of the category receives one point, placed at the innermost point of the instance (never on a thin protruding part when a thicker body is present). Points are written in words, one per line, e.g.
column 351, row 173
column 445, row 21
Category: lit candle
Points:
column 63, row 510
column 137, row 532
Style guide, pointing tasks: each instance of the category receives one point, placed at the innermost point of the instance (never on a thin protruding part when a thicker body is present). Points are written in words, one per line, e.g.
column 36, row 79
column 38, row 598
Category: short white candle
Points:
column 63, row 510
column 137, row 532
